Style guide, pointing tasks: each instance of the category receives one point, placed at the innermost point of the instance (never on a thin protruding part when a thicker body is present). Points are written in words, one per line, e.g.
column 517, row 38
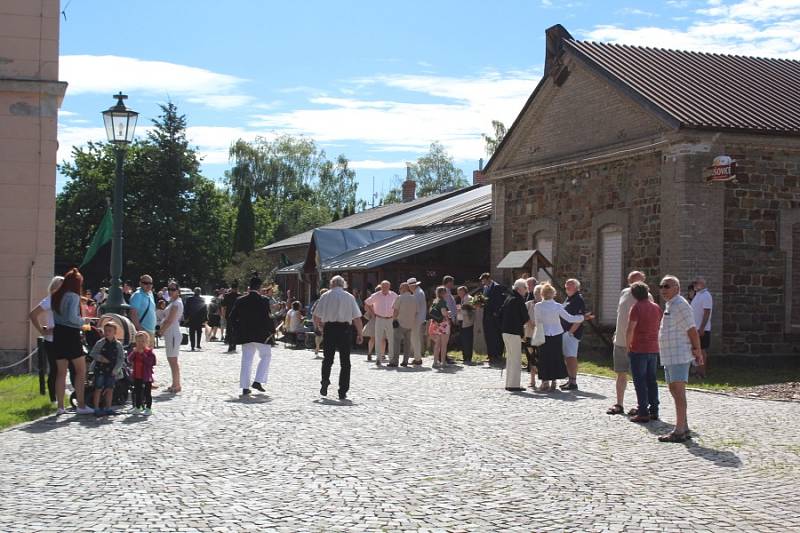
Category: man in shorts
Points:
column 679, row 345
column 622, row 365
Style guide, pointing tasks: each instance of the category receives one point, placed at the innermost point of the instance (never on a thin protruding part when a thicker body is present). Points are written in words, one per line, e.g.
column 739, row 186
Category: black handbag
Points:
column 184, row 339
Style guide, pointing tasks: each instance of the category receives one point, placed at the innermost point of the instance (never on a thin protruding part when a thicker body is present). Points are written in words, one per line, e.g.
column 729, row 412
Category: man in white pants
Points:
column 418, row 335
column 382, row 304
column 254, row 330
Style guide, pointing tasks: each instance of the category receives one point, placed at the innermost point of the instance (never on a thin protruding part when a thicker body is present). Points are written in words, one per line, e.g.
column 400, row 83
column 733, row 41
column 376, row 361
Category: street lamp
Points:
column 120, row 124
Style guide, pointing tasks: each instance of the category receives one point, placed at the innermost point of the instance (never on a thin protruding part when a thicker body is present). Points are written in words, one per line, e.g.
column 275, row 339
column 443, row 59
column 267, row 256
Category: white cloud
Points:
column 109, row 74
column 366, row 164
column 465, row 109
column 763, row 28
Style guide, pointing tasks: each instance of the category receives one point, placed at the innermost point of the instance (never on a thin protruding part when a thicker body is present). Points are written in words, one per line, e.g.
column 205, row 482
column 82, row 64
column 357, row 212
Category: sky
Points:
column 375, row 81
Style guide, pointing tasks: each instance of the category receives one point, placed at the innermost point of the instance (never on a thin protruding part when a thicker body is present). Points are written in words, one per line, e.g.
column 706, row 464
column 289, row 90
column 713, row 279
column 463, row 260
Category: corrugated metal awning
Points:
column 396, row 248
column 296, row 268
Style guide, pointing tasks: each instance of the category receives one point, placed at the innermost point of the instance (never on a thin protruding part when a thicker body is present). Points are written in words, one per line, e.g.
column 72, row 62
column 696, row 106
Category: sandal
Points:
column 633, row 412
column 675, row 437
column 615, row 409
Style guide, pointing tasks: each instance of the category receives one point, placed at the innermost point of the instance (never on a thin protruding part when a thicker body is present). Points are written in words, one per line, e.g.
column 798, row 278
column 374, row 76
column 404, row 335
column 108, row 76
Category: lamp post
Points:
column 120, row 124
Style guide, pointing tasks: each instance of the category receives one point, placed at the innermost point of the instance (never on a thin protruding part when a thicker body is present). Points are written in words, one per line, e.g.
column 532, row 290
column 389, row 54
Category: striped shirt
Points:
column 673, row 335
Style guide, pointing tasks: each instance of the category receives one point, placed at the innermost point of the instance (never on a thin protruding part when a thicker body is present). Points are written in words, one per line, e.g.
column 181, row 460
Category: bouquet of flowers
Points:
column 479, row 300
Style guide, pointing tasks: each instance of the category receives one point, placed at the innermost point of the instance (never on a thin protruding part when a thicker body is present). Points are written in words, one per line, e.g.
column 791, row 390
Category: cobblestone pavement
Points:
column 414, row 450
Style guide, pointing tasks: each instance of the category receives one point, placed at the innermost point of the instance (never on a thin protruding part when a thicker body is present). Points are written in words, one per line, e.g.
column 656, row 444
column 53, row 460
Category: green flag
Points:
column 102, row 237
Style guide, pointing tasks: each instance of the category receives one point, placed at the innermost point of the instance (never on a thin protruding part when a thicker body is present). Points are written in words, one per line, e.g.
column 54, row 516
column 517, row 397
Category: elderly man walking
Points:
column 336, row 314
column 679, row 345
column 622, row 364
column 382, row 305
column 418, row 335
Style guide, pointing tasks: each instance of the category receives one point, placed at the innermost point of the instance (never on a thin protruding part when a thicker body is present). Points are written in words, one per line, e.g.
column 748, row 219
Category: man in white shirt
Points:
column 622, row 364
column 702, row 304
column 336, row 313
column 382, row 305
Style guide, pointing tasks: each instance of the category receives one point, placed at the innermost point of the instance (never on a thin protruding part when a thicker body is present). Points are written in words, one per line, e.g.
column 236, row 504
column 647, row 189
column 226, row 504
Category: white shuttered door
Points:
column 610, row 273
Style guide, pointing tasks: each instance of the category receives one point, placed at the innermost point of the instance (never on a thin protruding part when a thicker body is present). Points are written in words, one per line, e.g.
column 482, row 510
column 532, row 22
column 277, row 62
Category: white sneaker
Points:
column 84, row 411
column 60, row 411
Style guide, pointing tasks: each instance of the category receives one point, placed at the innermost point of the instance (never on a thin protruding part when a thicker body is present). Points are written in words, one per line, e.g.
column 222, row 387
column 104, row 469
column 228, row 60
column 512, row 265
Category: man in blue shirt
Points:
column 143, row 307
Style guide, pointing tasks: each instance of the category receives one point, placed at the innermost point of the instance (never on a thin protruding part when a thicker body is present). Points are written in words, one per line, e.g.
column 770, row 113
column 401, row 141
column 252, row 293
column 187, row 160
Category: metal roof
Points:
column 296, row 268
column 471, row 206
column 334, row 242
column 395, row 248
column 365, row 218
column 703, row 90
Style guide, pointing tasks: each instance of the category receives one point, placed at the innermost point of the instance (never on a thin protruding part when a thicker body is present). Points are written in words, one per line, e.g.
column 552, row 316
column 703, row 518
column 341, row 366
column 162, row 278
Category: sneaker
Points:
column 245, row 392
column 85, row 411
column 147, row 411
column 135, row 410
column 60, row 411
column 569, row 386
column 257, row 386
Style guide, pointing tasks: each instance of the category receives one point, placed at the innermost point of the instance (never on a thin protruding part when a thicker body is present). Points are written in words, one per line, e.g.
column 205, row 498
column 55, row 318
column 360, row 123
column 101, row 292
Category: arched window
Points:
column 610, row 272
column 543, row 242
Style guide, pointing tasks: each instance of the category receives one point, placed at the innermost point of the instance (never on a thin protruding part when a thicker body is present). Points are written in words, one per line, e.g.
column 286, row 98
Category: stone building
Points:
column 30, row 95
column 614, row 164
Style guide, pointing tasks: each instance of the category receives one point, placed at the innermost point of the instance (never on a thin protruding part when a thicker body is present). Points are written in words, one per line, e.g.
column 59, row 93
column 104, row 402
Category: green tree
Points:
column 493, row 142
column 177, row 223
column 436, row 172
column 244, row 236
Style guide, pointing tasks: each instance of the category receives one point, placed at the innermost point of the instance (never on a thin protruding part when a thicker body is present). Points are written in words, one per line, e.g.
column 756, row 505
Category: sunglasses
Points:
column 173, row 288
column 665, row 286
column 146, row 282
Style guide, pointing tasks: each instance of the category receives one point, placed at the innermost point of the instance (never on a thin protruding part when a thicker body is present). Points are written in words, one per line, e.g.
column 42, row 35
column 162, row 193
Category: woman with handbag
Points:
column 171, row 331
column 439, row 328
column 547, row 315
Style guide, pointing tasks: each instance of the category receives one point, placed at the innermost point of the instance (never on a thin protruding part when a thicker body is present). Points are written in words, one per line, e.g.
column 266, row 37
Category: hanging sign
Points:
column 723, row 169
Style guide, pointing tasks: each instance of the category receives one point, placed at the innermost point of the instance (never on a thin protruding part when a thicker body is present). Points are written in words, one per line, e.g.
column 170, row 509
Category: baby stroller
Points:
column 124, row 384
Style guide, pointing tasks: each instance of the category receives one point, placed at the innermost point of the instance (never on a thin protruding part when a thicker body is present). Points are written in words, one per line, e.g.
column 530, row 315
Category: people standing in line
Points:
column 514, row 318
column 418, row 337
column 495, row 295
column 142, row 360
column 574, row 305
column 107, row 356
column 679, row 345
column 439, row 327
column 641, row 336
column 622, row 364
column 143, row 307
column 196, row 316
column 336, row 314
column 225, row 310
column 548, row 314
column 171, row 331
column 382, row 305
column 67, row 344
column 405, row 320
column 531, row 351
column 41, row 317
column 702, row 305
column 466, row 321
column 254, row 329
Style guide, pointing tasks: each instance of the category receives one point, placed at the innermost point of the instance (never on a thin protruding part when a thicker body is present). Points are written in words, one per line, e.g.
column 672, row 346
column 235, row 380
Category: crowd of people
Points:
column 525, row 318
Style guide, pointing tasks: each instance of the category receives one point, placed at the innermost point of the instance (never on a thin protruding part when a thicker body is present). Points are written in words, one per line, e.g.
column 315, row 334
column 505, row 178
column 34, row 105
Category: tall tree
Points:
column 436, row 172
column 493, row 142
column 244, row 237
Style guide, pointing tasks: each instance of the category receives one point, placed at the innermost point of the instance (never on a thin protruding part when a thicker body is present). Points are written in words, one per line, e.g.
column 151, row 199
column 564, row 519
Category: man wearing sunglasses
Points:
column 679, row 346
column 143, row 307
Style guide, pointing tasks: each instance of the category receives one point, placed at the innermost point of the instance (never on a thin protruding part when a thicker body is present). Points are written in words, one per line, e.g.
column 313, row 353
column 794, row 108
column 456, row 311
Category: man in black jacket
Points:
column 495, row 295
column 254, row 329
column 196, row 313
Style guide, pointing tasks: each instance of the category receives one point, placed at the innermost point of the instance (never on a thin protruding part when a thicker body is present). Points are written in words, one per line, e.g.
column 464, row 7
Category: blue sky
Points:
column 376, row 81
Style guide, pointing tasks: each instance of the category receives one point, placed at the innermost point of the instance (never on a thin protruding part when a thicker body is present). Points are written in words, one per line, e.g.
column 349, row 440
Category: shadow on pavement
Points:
column 334, row 403
column 252, row 399
column 722, row 458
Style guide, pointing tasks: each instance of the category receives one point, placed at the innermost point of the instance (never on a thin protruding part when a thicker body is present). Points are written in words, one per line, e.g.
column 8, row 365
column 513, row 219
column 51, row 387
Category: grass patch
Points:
column 725, row 372
column 20, row 400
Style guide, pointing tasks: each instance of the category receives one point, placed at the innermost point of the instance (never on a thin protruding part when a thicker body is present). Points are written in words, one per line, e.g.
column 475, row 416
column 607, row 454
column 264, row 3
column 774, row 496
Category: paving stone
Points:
column 415, row 450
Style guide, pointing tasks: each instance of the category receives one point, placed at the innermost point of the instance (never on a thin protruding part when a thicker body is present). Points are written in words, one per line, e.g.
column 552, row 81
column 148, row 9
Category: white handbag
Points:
column 538, row 336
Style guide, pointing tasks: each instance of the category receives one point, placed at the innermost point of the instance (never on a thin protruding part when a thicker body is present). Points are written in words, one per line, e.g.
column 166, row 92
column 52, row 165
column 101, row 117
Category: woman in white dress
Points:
column 171, row 331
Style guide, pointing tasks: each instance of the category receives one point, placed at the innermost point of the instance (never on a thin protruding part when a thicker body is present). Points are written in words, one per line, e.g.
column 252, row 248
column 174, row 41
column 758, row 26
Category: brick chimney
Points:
column 478, row 177
column 409, row 186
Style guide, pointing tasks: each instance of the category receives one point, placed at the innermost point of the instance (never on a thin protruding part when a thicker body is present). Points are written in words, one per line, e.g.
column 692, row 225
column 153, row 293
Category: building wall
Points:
column 762, row 226
column 30, row 96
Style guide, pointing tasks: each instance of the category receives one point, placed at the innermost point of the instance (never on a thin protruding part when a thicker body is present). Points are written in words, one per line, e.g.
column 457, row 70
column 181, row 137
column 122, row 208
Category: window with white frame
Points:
column 543, row 242
column 610, row 274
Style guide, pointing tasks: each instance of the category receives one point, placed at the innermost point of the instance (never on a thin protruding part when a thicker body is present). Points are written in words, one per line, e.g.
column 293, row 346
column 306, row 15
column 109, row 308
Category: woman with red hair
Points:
column 66, row 303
